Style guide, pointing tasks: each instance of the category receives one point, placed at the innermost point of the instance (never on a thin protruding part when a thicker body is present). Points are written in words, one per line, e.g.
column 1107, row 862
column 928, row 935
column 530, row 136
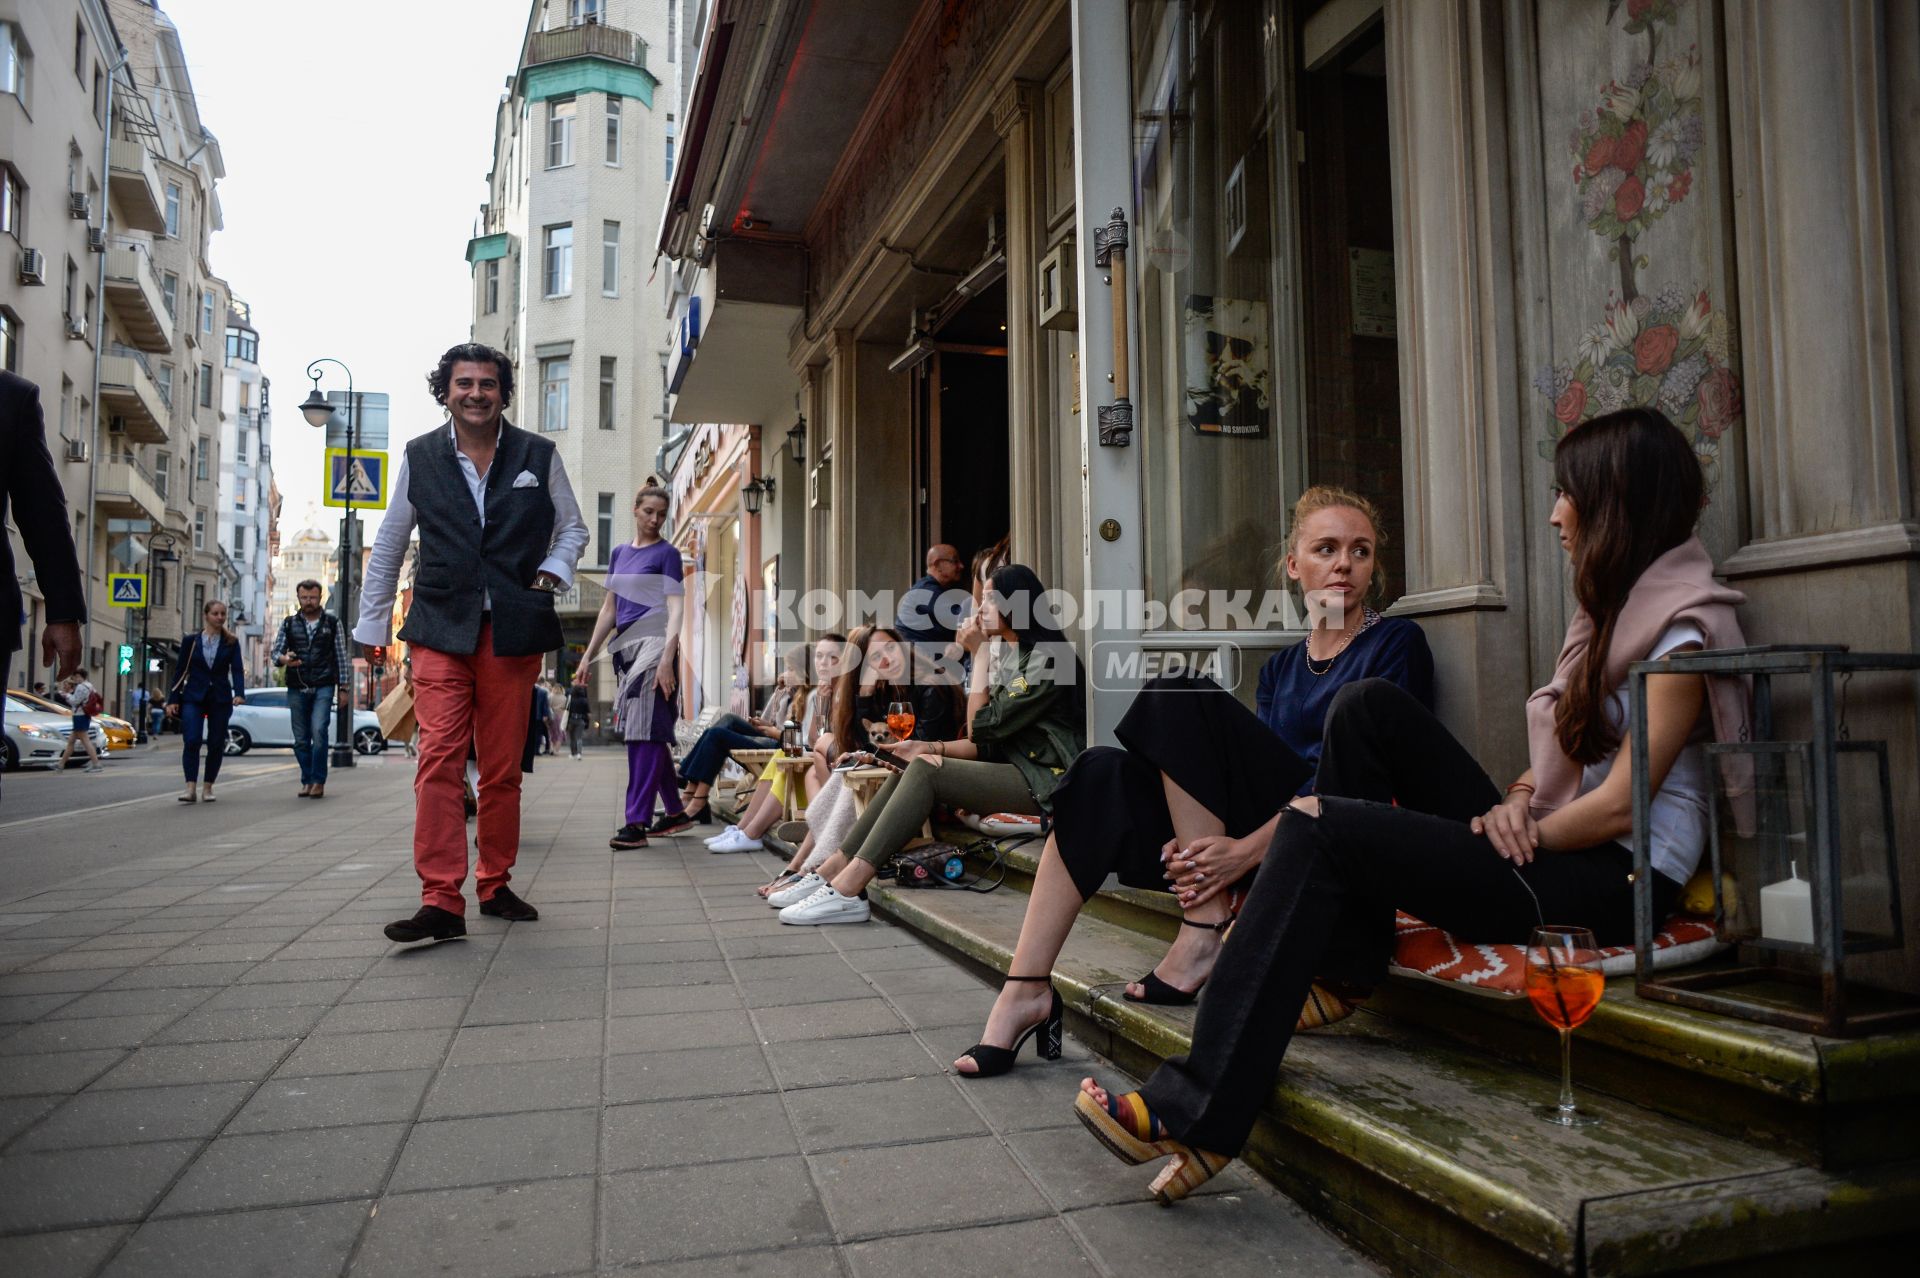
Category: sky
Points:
column 357, row 137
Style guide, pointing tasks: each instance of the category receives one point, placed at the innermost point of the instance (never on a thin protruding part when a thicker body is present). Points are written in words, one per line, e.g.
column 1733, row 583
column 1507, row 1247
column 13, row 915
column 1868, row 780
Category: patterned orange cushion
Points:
column 1423, row 950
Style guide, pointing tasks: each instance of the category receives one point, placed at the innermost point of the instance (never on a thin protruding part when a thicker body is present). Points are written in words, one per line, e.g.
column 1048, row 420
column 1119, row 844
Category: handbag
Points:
column 944, row 865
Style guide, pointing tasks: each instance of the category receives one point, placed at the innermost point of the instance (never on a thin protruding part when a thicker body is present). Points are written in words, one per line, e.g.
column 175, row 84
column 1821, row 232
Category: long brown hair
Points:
column 1636, row 488
column 848, row 732
column 226, row 632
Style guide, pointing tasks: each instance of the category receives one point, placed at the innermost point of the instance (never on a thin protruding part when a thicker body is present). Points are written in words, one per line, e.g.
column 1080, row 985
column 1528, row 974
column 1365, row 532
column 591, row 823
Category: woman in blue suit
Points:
column 207, row 684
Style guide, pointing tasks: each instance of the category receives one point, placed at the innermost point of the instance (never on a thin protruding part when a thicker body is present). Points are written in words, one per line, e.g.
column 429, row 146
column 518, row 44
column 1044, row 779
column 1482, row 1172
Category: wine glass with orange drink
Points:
column 900, row 719
column 1564, row 984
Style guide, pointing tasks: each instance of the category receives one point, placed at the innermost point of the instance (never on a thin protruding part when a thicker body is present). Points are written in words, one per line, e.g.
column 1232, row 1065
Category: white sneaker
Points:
column 801, row 888
column 735, row 841
column 712, row 839
column 826, row 906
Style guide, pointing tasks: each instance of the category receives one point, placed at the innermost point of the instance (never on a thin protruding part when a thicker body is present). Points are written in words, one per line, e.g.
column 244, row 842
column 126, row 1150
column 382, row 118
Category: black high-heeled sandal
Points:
column 1161, row 994
column 991, row 1061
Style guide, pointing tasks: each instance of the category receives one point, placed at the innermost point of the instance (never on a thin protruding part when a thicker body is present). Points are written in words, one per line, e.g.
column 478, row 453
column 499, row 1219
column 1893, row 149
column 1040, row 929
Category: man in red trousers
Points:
column 500, row 531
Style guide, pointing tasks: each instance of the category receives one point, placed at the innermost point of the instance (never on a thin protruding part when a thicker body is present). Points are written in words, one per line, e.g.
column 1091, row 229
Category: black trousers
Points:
column 1110, row 809
column 1323, row 900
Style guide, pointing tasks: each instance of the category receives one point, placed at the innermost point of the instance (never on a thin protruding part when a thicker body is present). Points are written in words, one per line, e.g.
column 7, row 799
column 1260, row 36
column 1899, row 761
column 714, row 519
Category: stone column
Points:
column 1462, row 425
column 1029, row 426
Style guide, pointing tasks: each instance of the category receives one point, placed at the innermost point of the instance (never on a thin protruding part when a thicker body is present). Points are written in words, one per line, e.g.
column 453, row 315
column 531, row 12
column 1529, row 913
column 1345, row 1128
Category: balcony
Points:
column 133, row 291
column 591, row 40
column 134, row 184
column 124, row 489
column 128, row 391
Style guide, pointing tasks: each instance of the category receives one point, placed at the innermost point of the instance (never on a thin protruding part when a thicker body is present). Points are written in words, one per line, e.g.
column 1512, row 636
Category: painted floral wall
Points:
column 1639, row 230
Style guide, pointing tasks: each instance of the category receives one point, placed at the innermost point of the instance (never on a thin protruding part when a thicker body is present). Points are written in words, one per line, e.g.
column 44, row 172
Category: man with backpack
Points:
column 86, row 702
column 312, row 648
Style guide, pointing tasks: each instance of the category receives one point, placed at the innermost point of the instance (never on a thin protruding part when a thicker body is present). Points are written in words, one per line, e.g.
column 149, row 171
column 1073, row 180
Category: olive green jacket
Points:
column 1034, row 723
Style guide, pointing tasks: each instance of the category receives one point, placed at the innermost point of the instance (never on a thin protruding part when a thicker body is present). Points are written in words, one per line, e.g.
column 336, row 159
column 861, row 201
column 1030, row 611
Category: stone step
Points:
column 1426, row 1150
column 1833, row 1102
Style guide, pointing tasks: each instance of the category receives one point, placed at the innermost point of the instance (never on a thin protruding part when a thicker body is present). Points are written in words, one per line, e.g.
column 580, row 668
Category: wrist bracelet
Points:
column 1521, row 785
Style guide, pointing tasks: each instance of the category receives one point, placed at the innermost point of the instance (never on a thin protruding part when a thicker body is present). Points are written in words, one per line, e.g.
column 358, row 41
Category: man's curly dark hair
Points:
column 471, row 353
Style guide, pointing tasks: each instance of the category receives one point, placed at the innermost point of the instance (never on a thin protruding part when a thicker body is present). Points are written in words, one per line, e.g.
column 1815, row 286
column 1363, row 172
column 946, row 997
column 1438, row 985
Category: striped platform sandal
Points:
column 1132, row 1134
column 1326, row 1006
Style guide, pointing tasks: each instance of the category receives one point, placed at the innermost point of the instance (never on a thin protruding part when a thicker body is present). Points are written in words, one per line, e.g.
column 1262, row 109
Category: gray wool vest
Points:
column 461, row 563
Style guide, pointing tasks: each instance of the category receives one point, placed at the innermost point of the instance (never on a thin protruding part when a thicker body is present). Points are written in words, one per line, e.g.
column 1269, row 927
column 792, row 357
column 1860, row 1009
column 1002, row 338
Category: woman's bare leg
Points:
column 1051, row 909
column 1189, row 960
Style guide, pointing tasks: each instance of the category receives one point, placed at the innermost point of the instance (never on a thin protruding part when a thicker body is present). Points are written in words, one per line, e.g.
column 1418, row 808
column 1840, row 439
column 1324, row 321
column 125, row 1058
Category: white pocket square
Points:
column 525, row 479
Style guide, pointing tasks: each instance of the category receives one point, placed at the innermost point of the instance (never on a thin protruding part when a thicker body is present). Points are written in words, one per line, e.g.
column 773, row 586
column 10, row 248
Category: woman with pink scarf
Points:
column 1405, row 818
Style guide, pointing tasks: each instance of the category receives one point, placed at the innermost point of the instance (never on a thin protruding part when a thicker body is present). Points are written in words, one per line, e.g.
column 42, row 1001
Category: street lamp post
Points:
column 319, row 412
column 159, row 550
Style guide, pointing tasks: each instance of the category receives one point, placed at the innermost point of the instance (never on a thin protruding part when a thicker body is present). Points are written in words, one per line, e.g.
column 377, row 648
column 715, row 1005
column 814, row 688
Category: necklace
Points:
column 1367, row 617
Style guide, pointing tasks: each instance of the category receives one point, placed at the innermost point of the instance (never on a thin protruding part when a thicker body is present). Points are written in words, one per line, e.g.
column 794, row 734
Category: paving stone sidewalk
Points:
column 212, row 1063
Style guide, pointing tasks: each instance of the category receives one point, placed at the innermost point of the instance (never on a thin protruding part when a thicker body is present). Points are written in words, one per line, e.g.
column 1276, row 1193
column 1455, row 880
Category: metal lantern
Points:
column 790, row 744
column 1801, row 851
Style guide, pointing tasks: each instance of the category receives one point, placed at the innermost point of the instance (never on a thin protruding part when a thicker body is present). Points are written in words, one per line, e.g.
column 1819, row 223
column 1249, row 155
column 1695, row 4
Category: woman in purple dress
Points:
column 641, row 616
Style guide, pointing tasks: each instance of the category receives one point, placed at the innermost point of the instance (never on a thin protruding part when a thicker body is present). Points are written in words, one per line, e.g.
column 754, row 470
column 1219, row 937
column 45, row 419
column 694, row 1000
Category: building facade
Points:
column 246, row 492
column 561, row 262
column 308, row 555
column 113, row 309
column 1399, row 246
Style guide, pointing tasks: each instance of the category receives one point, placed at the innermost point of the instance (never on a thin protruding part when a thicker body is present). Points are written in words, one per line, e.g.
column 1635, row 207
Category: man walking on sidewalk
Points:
column 312, row 648
column 500, row 531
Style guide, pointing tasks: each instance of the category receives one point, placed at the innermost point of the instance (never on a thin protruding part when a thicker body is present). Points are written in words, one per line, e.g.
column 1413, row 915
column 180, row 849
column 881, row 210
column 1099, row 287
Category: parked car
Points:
column 264, row 721
column 37, row 737
column 119, row 732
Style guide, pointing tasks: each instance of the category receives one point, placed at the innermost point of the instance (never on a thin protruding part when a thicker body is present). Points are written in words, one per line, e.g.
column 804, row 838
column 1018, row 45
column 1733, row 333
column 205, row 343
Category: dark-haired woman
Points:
column 207, row 684
column 1195, row 788
column 639, row 625
column 1026, row 716
column 1457, row 851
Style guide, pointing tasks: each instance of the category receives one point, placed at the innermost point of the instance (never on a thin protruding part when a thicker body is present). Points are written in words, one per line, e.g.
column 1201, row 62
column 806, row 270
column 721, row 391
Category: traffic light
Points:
column 378, row 658
column 126, row 658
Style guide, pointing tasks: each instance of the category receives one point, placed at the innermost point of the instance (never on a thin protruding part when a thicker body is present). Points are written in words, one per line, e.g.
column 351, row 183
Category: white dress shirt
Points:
column 390, row 543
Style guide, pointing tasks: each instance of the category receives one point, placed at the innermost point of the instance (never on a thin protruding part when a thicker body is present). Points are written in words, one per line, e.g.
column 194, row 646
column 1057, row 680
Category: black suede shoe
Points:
column 431, row 924
column 629, row 836
column 672, row 823
column 503, row 904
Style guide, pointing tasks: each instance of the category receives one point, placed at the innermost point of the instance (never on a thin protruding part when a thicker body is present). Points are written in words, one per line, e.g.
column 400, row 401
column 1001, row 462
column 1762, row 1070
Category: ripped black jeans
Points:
column 1323, row 901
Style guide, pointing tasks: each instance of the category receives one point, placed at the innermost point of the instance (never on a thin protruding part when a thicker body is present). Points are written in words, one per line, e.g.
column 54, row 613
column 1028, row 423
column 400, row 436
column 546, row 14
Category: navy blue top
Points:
column 194, row 682
column 1293, row 701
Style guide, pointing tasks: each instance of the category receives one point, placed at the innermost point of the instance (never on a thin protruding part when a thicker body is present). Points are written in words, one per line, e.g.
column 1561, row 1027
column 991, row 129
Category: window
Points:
column 66, row 405
column 560, row 114
column 99, row 96
column 490, row 287
column 240, row 541
column 193, row 458
column 73, row 284
column 670, row 135
column 206, row 388
column 165, row 381
column 13, row 62
column 13, row 203
column 240, row 455
column 610, row 259
column 159, row 587
column 579, row 11
column 199, row 543
column 605, row 528
column 606, row 392
column 559, row 261
column 162, row 473
column 206, row 310
column 203, row 459
column 170, row 294
column 200, row 588
column 613, row 129
column 80, row 50
column 173, row 209
column 673, row 30
column 9, row 340
column 553, row 393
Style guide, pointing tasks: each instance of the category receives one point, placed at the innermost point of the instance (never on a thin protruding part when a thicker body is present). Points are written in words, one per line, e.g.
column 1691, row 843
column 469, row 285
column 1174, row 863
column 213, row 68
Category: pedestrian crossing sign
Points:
column 127, row 589
column 363, row 476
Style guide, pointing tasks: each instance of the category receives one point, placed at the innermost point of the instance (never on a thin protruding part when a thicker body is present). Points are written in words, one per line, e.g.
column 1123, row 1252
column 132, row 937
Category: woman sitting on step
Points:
column 1199, row 774
column 769, row 798
column 1405, row 818
column 1026, row 716
column 880, row 672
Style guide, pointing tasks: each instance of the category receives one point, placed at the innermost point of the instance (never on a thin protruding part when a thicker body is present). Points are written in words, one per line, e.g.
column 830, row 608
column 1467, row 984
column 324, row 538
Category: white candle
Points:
column 1786, row 909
